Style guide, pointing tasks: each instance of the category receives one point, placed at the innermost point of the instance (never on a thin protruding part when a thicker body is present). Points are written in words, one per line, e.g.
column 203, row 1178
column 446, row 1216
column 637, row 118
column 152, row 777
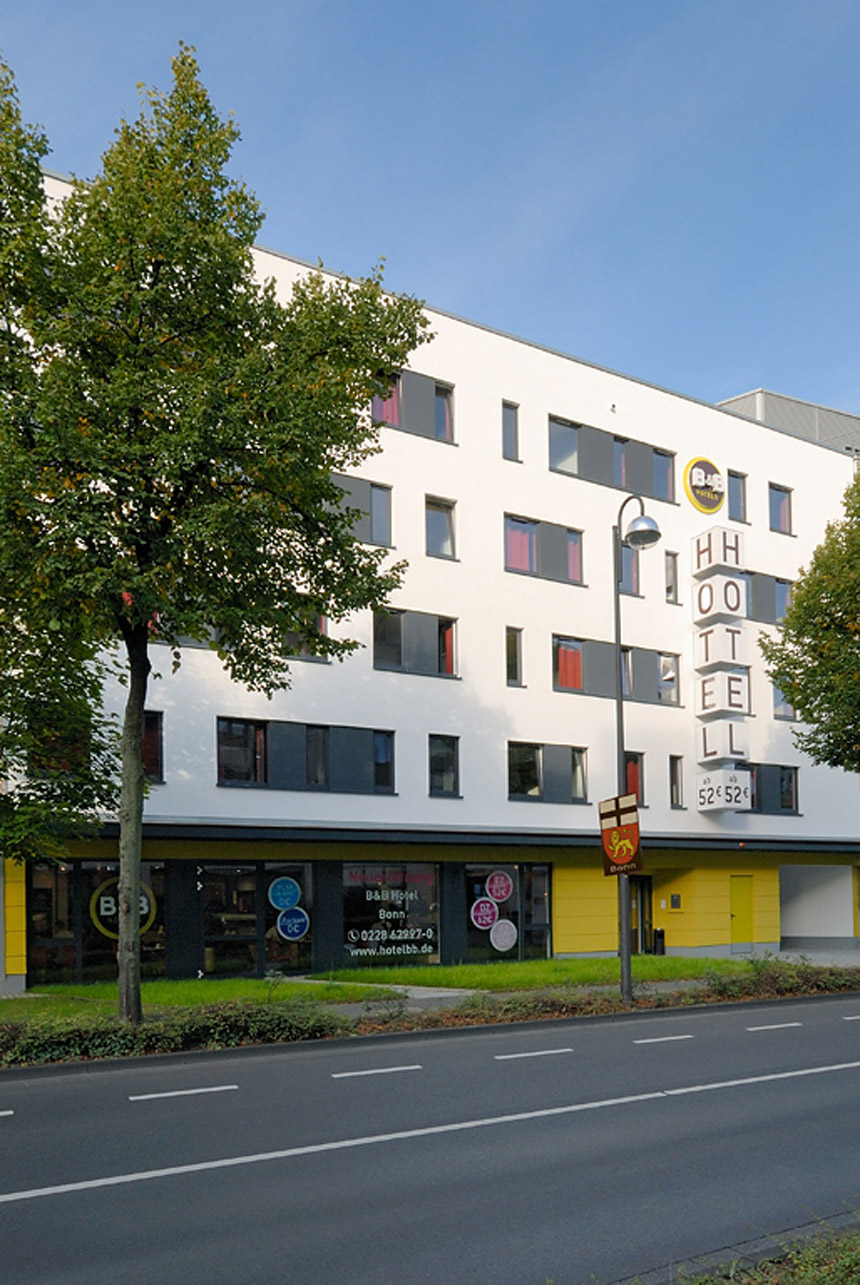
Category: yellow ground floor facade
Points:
column 245, row 905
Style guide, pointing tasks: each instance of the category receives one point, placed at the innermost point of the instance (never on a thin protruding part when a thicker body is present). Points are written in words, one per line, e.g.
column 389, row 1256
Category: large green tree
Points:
column 171, row 476
column 57, row 751
column 815, row 656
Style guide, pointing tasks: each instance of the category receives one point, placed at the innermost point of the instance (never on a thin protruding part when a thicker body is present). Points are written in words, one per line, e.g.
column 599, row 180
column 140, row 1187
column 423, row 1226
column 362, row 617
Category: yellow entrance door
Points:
column 741, row 908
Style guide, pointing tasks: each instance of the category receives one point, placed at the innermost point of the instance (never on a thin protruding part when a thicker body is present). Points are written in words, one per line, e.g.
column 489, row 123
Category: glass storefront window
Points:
column 73, row 924
column 390, row 914
column 289, row 917
column 508, row 912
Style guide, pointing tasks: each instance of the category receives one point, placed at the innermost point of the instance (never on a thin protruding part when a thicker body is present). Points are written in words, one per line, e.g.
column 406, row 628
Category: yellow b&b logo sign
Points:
column 704, row 485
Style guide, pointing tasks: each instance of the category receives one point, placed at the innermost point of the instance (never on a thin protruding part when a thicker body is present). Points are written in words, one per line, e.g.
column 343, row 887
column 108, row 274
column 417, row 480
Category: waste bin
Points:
column 659, row 941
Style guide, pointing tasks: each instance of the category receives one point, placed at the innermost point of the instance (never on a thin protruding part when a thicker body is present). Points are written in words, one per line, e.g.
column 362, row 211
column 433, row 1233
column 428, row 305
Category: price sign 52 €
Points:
column 726, row 788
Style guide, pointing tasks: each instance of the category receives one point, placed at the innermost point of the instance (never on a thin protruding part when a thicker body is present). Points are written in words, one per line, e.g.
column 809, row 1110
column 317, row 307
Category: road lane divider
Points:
column 408, row 1135
column 665, row 1039
column 181, row 1093
column 509, row 1057
column 375, row 1070
column 775, row 1026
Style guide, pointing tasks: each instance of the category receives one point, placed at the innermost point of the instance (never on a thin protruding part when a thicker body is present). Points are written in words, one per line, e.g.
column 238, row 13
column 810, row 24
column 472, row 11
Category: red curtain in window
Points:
column 519, row 546
column 387, row 409
column 574, row 557
column 634, row 779
column 446, row 648
column 570, row 668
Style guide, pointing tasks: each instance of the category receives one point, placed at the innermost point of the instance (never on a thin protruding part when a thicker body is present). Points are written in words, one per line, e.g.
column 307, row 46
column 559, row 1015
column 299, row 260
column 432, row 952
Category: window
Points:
column 781, row 707
column 317, row 757
column 676, row 781
column 444, row 421
column 671, row 568
column 543, row 549
column 371, row 505
column 626, row 672
column 305, row 756
column 574, row 556
column 444, row 767
column 520, row 545
column 629, row 570
column 524, row 770
column 546, row 773
column 782, row 597
column 566, row 664
column 383, row 761
column 510, row 431
column 619, row 461
column 414, row 642
column 634, row 774
column 380, row 514
column 773, row 788
column 780, row 508
column 513, row 657
column 387, row 409
column 241, row 752
column 667, row 679
column 301, row 647
column 663, row 465
column 439, row 523
column 563, row 446
column 152, row 746
column 737, row 497
column 768, row 597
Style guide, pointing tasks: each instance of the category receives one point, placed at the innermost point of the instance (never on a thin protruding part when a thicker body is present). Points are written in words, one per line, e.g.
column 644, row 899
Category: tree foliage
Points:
column 815, row 657
column 170, row 469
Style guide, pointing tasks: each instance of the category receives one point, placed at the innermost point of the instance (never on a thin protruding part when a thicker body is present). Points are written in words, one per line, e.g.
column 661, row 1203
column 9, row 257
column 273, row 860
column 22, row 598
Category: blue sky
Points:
column 665, row 187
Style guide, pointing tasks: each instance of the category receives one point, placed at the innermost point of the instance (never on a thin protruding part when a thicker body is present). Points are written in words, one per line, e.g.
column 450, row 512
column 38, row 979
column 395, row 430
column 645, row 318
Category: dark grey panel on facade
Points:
column 286, row 749
column 762, row 597
column 646, row 672
column 454, row 916
column 596, row 455
column 356, row 496
column 418, row 404
column 557, row 774
column 183, row 920
column 327, row 943
column 351, row 760
column 640, row 468
column 598, row 668
column 552, row 551
column 420, row 642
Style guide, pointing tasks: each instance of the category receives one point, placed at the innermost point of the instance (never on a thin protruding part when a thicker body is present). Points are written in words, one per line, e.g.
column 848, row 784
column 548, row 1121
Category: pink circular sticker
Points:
column 503, row 934
column 499, row 885
column 484, row 913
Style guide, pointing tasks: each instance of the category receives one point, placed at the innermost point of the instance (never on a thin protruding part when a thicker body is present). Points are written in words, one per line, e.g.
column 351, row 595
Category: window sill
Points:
column 443, row 794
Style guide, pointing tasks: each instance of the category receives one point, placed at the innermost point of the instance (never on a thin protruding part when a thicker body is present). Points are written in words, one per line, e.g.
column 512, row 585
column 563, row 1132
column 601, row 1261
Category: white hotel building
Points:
column 435, row 795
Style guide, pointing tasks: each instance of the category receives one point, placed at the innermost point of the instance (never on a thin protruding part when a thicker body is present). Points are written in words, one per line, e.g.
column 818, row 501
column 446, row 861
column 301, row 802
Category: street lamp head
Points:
column 642, row 532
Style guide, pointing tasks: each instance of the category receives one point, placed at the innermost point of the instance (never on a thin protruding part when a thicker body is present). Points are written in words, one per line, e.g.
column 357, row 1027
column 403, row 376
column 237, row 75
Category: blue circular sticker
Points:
column 293, row 923
column 284, row 893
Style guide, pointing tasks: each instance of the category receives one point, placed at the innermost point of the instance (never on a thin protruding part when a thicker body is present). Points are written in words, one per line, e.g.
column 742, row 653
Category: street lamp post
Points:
column 640, row 534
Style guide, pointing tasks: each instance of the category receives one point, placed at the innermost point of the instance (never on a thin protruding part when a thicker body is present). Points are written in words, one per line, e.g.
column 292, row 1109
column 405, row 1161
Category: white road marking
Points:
column 664, row 1039
column 378, row 1070
column 345, row 1144
column 855, row 1018
column 777, row 1026
column 508, row 1057
column 181, row 1093
column 7, row 1112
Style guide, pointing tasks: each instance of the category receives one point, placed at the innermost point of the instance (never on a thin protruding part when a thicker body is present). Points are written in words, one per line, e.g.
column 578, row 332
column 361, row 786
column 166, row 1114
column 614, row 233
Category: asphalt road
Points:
column 563, row 1153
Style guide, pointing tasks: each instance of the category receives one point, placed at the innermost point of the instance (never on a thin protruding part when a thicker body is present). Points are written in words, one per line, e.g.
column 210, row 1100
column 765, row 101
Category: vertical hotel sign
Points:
column 721, row 661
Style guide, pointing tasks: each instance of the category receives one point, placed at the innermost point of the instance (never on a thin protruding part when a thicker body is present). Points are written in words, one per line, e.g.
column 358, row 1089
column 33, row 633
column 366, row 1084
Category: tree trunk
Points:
column 131, row 830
